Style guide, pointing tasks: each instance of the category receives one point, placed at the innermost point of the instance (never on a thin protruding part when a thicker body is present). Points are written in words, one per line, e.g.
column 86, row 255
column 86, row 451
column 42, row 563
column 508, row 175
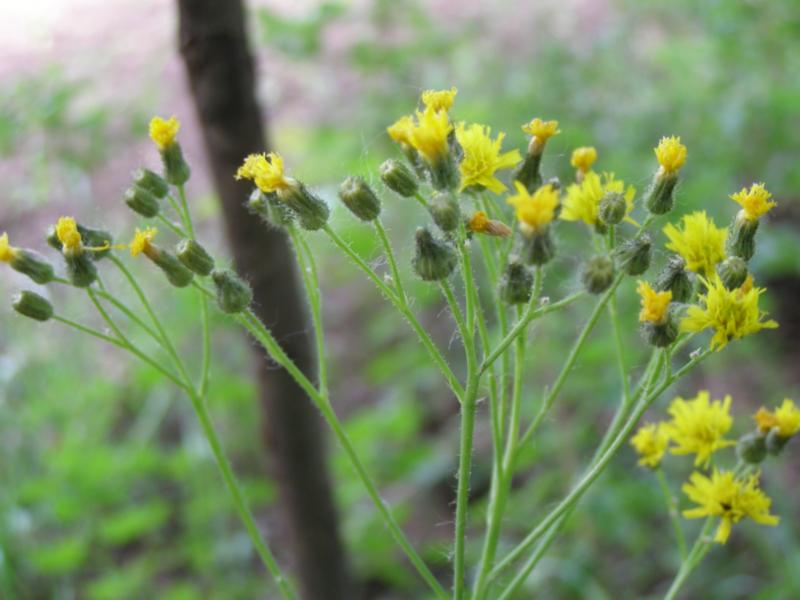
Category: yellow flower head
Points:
column 534, row 211
column 651, row 443
column 583, row 158
column 429, row 134
column 481, row 223
column 67, row 233
column 266, row 171
column 723, row 495
column 439, row 99
column 541, row 130
column 482, row 157
column 732, row 314
column 583, row 199
column 654, row 304
column 163, row 131
column 699, row 242
column 755, row 202
column 671, row 154
column 400, row 131
column 698, row 426
column 7, row 251
column 785, row 418
column 142, row 241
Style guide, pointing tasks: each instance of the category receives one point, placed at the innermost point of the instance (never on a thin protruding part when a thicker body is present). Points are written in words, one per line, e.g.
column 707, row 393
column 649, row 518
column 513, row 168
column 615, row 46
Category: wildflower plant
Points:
column 488, row 218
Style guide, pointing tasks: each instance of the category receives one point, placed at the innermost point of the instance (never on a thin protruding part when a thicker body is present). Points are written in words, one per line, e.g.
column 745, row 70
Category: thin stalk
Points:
column 186, row 215
column 421, row 199
column 387, row 248
column 170, row 225
column 701, row 546
column 672, row 509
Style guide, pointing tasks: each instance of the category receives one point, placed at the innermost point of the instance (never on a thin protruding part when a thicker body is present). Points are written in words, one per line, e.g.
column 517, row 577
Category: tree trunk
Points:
column 214, row 47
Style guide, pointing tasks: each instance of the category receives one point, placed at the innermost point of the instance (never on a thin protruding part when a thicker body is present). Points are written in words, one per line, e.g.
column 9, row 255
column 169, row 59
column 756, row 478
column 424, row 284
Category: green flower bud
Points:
column 444, row 173
column 33, row 265
column 150, row 181
column 33, row 306
column 270, row 208
column 177, row 274
column 96, row 238
column 311, row 211
column 539, row 247
column 434, row 259
column 675, row 279
column 733, row 272
column 634, row 255
column 598, row 273
column 139, row 200
column 52, row 239
column 81, row 270
column 613, row 208
column 660, row 335
column 752, row 448
column 176, row 169
column 742, row 238
column 516, row 283
column 661, row 195
column 398, row 178
column 194, row 257
column 360, row 199
column 445, row 211
column 775, row 443
column 233, row 293
column 528, row 173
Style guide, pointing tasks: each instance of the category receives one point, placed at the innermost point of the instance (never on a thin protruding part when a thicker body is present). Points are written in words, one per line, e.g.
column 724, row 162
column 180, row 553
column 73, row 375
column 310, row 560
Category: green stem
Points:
column 701, row 546
column 186, row 215
column 672, row 509
column 387, row 248
column 170, row 225
column 468, row 407
column 421, row 199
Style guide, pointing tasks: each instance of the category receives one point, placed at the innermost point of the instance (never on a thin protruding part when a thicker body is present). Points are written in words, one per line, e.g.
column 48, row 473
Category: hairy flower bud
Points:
column 539, row 247
column 270, row 208
column 613, row 208
column 141, row 201
column 177, row 274
column 151, row 181
column 81, row 269
column 311, row 211
column 176, row 169
column 32, row 305
column 733, row 272
column 776, row 442
column 358, row 196
column 233, row 293
column 434, row 259
column 445, row 210
column 752, row 448
column 634, row 255
column 661, row 195
column 516, row 283
column 660, row 335
column 598, row 273
column 194, row 257
column 675, row 279
column 398, row 178
column 742, row 237
column 444, row 173
column 33, row 265
column 99, row 240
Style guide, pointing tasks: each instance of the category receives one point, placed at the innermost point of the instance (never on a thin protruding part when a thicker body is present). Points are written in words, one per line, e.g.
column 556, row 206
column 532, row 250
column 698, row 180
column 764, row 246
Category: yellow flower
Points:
column 786, row 419
column 482, row 157
column 7, row 251
column 142, row 241
column 542, row 130
column 67, row 233
column 439, row 99
column 654, row 304
column 163, row 131
column 723, row 495
column 429, row 134
column 671, row 154
column 266, row 171
column 732, row 314
column 400, row 131
column 699, row 426
column 700, row 242
column 755, row 202
column 583, row 199
column 534, row 211
column 583, row 158
column 651, row 443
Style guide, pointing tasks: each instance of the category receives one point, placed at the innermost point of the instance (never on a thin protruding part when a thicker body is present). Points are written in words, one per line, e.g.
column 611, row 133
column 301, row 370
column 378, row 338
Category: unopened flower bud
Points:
column 99, row 240
column 434, row 259
column 358, row 196
column 742, row 237
column 176, row 169
column 752, row 448
column 398, row 178
column 311, row 211
column 444, row 173
column 141, row 201
column 32, row 305
column 516, row 283
column 675, row 279
column 733, row 272
column 634, row 255
column 177, row 274
column 233, row 293
column 528, row 173
column 613, row 208
column 661, row 195
column 776, row 442
column 445, row 210
column 151, row 181
column 81, row 270
column 194, row 257
column 660, row 335
column 270, row 208
column 598, row 273
column 33, row 265
column 539, row 247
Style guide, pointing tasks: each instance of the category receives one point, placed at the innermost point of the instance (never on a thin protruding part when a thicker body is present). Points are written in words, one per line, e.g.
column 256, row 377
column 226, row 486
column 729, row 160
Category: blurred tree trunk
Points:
column 214, row 47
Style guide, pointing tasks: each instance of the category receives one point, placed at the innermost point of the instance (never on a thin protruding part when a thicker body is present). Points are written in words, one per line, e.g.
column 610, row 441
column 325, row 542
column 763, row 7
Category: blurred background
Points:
column 107, row 488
